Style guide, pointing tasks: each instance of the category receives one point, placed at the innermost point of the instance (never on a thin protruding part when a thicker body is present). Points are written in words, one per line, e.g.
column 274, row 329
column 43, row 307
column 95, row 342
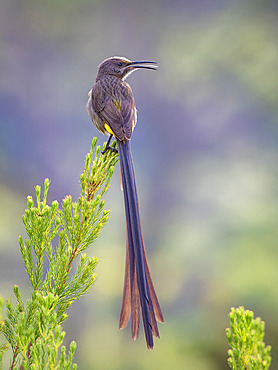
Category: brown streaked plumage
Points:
column 112, row 109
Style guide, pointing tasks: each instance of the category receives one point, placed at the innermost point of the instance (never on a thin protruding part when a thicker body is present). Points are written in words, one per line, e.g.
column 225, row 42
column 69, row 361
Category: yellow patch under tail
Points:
column 108, row 129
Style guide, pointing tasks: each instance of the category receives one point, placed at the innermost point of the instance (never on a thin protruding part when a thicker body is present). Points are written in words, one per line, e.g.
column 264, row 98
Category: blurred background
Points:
column 205, row 150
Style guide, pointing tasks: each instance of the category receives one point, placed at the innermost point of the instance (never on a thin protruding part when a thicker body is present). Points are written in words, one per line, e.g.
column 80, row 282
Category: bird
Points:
column 112, row 109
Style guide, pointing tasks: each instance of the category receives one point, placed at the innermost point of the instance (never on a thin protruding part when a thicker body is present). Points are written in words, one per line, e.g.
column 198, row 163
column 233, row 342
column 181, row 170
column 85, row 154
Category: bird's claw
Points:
column 108, row 147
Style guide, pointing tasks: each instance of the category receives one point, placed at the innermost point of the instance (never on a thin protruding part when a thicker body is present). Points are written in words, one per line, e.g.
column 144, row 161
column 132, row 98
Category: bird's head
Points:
column 122, row 67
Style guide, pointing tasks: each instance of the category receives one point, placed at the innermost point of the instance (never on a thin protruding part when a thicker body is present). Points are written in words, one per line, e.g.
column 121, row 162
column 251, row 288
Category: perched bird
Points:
column 112, row 109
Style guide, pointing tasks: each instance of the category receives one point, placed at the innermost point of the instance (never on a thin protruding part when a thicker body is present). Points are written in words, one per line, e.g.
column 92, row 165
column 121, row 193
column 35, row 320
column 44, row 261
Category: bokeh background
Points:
column 205, row 151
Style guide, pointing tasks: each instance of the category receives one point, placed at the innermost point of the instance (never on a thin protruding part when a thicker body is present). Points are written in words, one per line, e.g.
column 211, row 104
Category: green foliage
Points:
column 3, row 347
column 56, row 239
column 245, row 337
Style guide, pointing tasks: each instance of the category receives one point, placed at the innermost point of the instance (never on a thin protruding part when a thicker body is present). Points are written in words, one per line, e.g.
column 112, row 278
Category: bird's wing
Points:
column 118, row 111
column 128, row 112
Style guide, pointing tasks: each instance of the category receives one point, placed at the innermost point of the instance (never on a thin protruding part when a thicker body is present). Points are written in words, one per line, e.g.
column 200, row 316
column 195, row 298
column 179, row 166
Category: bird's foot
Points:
column 108, row 147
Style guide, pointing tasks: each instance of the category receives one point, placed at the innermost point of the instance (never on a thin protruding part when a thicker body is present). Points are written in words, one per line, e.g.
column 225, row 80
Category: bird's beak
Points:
column 142, row 64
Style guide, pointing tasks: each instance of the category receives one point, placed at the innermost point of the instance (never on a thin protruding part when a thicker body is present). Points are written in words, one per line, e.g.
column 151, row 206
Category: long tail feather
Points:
column 138, row 286
column 157, row 310
column 126, row 301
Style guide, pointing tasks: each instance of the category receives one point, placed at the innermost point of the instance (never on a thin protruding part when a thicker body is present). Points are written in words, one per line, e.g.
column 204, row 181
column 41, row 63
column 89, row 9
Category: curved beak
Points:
column 142, row 64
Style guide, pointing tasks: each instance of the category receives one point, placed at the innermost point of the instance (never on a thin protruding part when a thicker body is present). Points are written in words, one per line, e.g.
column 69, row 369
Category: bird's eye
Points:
column 120, row 64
